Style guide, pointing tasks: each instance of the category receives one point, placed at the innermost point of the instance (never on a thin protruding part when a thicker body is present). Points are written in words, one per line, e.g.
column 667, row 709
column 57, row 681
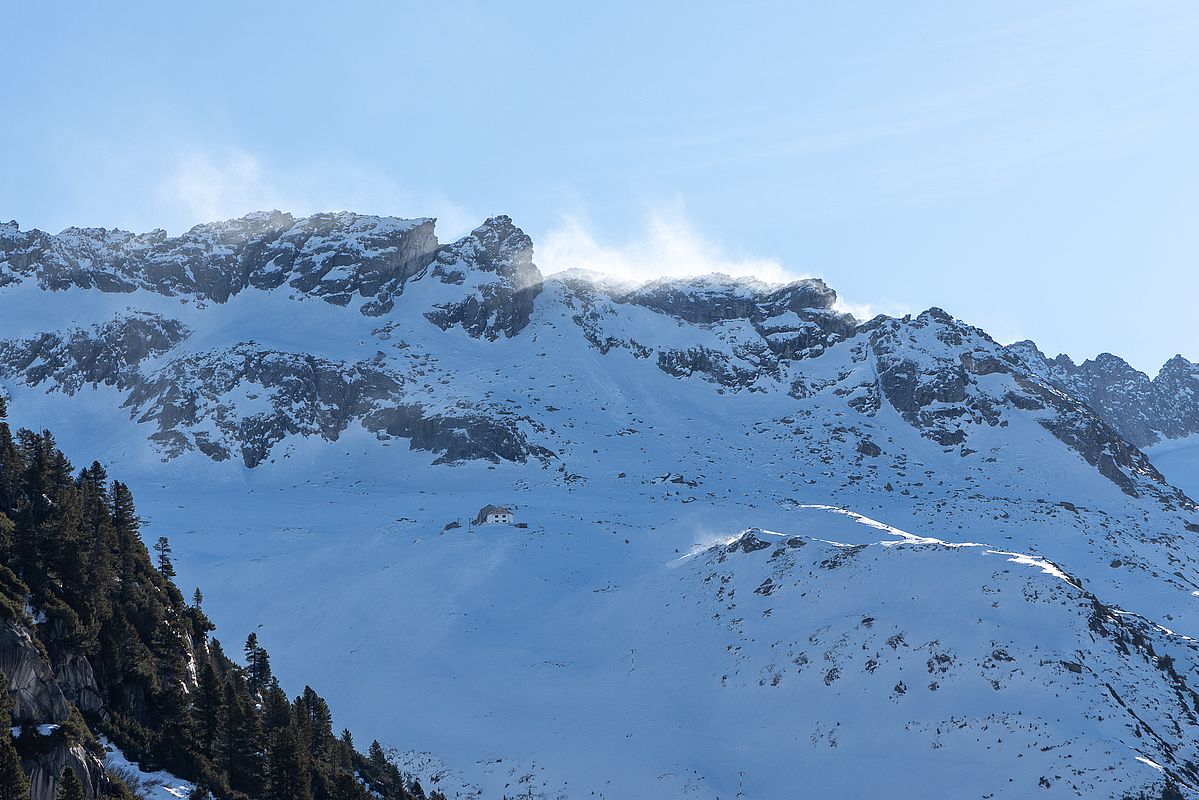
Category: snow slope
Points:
column 767, row 546
column 1179, row 460
column 149, row 785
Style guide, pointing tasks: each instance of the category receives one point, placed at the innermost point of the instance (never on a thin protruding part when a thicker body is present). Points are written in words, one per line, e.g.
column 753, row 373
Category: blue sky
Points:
column 1031, row 167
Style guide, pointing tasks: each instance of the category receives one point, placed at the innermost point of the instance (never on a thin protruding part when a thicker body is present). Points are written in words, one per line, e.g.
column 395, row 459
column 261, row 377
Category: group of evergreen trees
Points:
column 71, row 551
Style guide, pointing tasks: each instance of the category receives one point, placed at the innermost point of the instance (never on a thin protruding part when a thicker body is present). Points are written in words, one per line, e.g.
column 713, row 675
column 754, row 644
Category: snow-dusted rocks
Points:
column 756, row 327
column 946, row 378
column 109, row 353
column 494, row 265
column 332, row 256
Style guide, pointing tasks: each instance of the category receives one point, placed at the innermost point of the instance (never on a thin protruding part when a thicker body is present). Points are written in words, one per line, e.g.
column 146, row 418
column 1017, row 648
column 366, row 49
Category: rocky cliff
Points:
column 52, row 736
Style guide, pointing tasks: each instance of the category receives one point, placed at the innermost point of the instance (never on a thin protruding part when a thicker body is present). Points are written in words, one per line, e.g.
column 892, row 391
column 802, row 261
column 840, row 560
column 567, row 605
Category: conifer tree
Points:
column 241, row 740
column 209, row 694
column 10, row 465
column 69, row 787
column 7, row 536
column 14, row 785
column 258, row 665
column 276, row 711
column 124, row 516
column 162, row 547
column 287, row 770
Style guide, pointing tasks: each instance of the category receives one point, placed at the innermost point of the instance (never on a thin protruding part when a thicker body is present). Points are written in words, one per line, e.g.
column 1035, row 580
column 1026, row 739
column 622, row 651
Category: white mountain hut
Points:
column 494, row 515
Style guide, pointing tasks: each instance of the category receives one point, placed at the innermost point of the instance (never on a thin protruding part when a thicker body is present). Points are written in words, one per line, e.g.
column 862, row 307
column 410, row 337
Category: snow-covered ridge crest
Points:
column 336, row 257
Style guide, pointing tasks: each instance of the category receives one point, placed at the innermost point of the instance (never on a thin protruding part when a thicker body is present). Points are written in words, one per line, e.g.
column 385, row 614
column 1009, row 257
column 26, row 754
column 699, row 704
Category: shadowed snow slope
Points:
column 768, row 545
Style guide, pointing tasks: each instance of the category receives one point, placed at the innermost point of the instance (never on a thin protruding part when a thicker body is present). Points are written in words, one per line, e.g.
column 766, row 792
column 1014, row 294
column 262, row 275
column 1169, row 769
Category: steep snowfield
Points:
column 956, row 581
column 1179, row 461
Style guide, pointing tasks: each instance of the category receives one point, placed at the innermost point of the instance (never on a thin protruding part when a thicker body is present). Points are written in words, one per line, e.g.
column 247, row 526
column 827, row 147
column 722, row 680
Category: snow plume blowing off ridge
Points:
column 669, row 246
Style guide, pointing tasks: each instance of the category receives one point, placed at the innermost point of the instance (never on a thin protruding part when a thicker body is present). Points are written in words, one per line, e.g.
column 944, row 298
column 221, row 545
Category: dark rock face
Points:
column 107, row 354
column 455, row 437
column 78, row 683
column 492, row 306
column 747, row 542
column 712, row 364
column 1144, row 411
column 793, row 322
column 36, row 695
column 39, row 699
column 1177, row 392
column 45, row 772
column 287, row 393
column 927, row 382
column 708, row 299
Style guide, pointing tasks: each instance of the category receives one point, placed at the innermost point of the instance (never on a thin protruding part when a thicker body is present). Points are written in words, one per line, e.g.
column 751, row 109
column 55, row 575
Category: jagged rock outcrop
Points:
column 1177, row 389
column 78, row 683
column 714, row 298
column 456, row 437
column 46, row 770
column 108, row 354
column 495, row 265
column 37, row 697
column 246, row 399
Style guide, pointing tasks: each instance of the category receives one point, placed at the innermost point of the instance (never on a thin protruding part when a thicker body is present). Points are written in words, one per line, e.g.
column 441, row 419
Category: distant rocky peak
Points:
column 1143, row 410
column 1178, row 366
column 1111, row 368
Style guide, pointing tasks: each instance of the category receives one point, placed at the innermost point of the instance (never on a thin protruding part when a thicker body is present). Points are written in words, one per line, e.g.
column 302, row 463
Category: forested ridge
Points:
column 136, row 662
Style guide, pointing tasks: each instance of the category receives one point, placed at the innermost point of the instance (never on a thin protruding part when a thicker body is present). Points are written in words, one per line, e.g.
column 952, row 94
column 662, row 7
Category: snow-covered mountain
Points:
column 769, row 546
